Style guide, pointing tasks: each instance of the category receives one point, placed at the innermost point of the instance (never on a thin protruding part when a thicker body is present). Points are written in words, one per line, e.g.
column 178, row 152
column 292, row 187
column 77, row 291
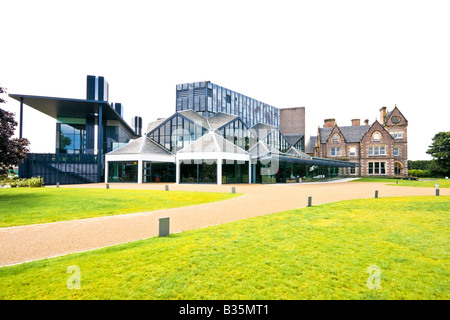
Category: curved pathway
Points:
column 27, row 243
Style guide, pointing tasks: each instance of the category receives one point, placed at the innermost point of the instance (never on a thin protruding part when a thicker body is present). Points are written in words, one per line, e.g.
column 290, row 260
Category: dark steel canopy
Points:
column 71, row 108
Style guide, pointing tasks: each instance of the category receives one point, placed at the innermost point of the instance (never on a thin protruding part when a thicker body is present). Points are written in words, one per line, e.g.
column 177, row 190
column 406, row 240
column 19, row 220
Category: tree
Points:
column 440, row 151
column 12, row 150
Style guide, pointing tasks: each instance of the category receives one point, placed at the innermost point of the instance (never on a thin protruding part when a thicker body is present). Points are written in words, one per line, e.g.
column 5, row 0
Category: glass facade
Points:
column 153, row 171
column 115, row 136
column 176, row 133
column 300, row 144
column 209, row 98
column 71, row 138
column 289, row 172
column 123, row 171
column 276, row 140
column 236, row 172
column 237, row 133
column 198, row 171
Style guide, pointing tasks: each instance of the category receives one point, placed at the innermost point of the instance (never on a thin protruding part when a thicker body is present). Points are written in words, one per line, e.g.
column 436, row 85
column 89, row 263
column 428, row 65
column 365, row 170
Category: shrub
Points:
column 23, row 183
column 36, row 182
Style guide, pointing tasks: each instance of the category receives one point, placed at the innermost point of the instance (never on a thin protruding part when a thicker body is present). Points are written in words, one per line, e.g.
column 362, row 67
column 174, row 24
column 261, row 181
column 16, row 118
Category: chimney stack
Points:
column 136, row 124
column 329, row 123
column 356, row 122
column 382, row 114
column 366, row 122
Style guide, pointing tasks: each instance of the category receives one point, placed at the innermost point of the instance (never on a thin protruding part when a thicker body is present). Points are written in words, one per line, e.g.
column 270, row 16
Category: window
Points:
column 336, row 138
column 396, row 152
column 377, row 168
column 376, row 136
column 352, row 152
column 335, row 152
column 397, row 135
column 352, row 170
column 377, row 151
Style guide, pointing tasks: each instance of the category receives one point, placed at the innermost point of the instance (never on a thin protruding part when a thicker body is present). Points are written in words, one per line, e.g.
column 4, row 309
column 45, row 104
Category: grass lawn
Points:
column 24, row 206
column 426, row 183
column 320, row 252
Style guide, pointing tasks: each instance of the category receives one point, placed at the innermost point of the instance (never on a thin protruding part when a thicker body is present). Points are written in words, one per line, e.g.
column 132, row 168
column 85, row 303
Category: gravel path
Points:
column 27, row 243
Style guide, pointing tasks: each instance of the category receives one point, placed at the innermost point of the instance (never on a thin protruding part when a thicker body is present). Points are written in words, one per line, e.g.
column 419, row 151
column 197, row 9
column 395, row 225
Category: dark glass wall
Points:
column 158, row 171
column 276, row 140
column 300, row 144
column 71, row 138
column 198, row 171
column 123, row 171
column 235, row 172
column 288, row 172
column 60, row 168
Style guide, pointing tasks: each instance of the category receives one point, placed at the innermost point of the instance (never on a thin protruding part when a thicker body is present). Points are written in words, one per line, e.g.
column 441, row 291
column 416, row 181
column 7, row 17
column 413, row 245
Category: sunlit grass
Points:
column 320, row 252
column 24, row 206
column 424, row 183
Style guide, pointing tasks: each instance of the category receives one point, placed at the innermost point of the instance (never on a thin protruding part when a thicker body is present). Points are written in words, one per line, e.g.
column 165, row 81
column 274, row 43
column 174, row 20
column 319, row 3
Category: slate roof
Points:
column 309, row 147
column 212, row 142
column 297, row 153
column 350, row 133
column 141, row 145
column 293, row 138
column 261, row 130
column 220, row 119
column 154, row 124
column 195, row 117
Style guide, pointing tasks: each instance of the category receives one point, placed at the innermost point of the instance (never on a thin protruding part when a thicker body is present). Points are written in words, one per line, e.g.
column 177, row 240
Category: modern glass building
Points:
column 208, row 99
column 86, row 129
column 218, row 136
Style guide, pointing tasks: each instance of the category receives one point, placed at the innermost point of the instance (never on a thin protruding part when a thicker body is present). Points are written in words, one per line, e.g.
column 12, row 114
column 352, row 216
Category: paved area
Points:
column 27, row 243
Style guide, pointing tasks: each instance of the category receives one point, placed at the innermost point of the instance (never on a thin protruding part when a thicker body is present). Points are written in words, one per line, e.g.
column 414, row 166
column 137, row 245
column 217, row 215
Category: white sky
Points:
column 339, row 59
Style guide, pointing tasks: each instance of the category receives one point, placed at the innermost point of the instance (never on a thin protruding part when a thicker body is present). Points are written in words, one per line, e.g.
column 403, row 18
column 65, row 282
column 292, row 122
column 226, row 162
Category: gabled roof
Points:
column 350, row 133
column 141, row 145
column 195, row 117
column 386, row 118
column 212, row 142
column 261, row 130
column 293, row 138
column 297, row 153
column 221, row 119
column 309, row 147
column 154, row 124
column 261, row 149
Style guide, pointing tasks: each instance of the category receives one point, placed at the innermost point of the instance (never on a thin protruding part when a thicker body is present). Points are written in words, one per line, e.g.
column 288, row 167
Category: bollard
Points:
column 309, row 201
column 164, row 227
column 166, row 187
column 233, row 189
column 396, row 182
column 300, row 180
column 107, row 186
column 376, row 193
column 57, row 184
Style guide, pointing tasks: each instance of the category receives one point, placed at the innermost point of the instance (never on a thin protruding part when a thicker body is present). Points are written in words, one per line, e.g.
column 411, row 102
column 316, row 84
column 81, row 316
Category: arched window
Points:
column 336, row 138
column 376, row 136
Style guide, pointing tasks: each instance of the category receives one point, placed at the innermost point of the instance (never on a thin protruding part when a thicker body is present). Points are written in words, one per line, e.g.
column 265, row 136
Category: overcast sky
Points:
column 339, row 59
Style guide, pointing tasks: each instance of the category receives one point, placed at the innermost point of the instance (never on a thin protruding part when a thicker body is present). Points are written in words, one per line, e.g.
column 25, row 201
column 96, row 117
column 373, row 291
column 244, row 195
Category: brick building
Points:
column 381, row 148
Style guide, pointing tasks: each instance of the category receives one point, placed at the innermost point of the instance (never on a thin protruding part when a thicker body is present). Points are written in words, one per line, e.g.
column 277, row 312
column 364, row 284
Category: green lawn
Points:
column 24, row 206
column 320, row 252
column 425, row 182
